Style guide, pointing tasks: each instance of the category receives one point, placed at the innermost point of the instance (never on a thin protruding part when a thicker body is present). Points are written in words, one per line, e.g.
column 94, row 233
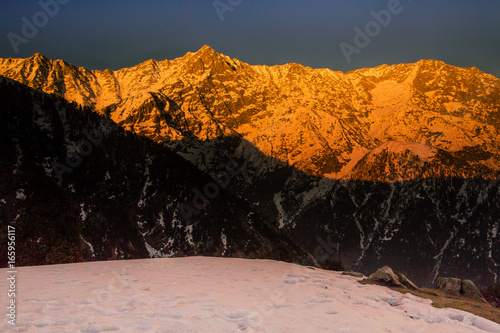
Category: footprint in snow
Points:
column 236, row 314
column 246, row 321
column 318, row 301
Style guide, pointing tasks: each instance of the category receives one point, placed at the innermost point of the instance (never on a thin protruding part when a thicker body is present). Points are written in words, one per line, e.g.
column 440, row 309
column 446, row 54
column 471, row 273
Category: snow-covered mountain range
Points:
column 393, row 165
column 442, row 119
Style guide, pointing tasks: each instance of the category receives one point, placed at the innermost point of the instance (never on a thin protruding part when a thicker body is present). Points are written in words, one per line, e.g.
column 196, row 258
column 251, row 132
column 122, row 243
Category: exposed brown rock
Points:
column 466, row 288
column 355, row 274
column 407, row 282
column 469, row 290
column 385, row 274
column 449, row 284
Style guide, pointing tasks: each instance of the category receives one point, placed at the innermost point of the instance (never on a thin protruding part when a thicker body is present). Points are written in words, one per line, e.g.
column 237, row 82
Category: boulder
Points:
column 386, row 274
column 355, row 274
column 466, row 288
column 449, row 284
column 407, row 282
column 469, row 290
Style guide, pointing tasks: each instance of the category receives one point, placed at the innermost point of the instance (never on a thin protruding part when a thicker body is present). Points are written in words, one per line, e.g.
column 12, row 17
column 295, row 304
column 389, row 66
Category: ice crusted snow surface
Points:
column 200, row 294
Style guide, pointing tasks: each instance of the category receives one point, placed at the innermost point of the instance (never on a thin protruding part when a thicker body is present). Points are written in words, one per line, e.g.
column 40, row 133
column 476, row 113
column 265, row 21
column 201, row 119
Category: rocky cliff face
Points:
column 395, row 165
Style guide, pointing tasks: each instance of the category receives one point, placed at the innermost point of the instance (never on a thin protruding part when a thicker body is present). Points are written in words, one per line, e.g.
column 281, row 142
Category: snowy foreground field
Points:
column 200, row 294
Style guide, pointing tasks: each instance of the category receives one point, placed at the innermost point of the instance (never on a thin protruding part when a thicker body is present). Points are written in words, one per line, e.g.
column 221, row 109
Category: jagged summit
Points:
column 207, row 59
column 206, row 54
column 430, row 62
column 38, row 56
column 205, row 49
column 42, row 60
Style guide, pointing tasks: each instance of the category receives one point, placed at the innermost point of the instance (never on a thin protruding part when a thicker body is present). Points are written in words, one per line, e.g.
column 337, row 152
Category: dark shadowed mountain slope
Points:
column 426, row 227
column 77, row 187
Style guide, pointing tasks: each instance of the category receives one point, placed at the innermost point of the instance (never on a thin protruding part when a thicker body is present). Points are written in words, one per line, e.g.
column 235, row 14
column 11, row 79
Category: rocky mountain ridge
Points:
column 322, row 122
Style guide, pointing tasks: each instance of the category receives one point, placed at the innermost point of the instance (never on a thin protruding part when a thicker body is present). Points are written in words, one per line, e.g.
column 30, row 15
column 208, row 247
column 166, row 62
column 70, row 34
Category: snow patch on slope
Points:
column 399, row 147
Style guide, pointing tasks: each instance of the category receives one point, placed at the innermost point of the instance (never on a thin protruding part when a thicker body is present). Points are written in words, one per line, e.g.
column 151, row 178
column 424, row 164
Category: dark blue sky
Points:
column 100, row 34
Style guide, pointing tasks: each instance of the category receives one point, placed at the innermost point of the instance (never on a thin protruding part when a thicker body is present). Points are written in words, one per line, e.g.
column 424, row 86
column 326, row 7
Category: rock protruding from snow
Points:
column 466, row 288
column 470, row 290
column 355, row 274
column 449, row 284
column 386, row 274
column 407, row 282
